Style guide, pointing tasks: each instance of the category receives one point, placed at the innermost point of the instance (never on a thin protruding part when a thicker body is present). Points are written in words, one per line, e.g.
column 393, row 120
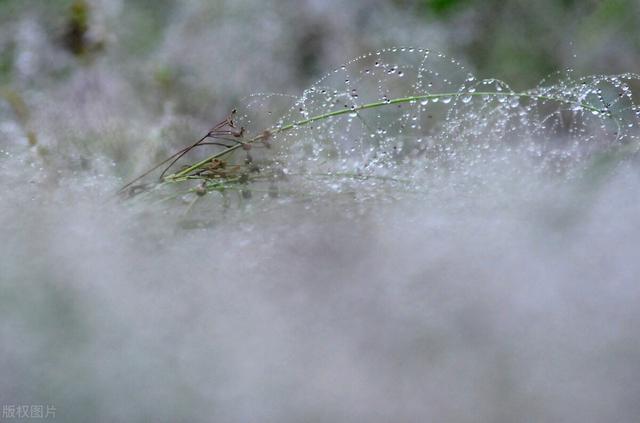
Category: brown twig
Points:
column 220, row 131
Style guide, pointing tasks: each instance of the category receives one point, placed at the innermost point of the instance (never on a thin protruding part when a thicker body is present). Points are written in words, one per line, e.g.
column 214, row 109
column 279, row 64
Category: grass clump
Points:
column 386, row 115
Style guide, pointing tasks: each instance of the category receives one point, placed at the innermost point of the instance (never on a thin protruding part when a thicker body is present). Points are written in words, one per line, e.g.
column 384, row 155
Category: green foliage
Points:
column 77, row 27
column 524, row 41
column 441, row 8
column 6, row 63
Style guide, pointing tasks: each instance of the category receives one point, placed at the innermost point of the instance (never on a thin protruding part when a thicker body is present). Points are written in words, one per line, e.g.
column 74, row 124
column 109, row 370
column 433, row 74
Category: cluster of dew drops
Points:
column 410, row 107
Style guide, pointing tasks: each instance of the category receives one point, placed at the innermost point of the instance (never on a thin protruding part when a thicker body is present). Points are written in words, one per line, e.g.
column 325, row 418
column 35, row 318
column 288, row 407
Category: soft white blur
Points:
column 499, row 294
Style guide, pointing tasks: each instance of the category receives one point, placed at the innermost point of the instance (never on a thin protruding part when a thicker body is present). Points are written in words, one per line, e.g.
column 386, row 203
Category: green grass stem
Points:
column 185, row 172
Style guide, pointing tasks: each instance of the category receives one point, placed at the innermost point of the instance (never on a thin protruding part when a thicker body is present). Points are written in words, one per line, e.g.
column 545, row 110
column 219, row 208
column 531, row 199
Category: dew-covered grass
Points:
column 399, row 241
column 388, row 123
